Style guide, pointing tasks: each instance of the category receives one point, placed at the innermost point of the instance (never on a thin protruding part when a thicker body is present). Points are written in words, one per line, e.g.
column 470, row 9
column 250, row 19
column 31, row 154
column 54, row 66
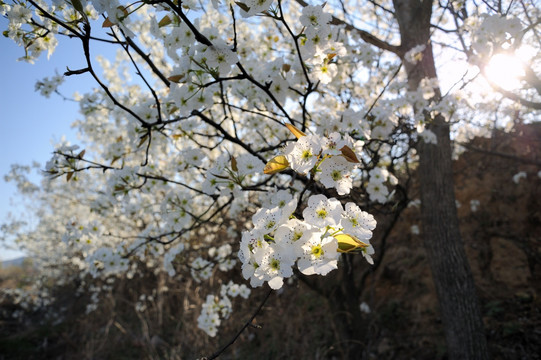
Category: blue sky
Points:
column 30, row 122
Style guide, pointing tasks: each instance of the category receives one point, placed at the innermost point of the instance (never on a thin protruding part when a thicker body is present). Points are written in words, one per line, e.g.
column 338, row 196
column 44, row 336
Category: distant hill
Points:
column 13, row 262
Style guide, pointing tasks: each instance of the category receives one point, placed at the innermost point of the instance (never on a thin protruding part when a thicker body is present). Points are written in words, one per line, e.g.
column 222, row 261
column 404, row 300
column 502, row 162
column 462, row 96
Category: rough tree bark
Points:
column 460, row 311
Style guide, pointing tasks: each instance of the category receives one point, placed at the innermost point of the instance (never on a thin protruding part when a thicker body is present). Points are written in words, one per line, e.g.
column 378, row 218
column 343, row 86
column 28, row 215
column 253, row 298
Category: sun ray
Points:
column 505, row 71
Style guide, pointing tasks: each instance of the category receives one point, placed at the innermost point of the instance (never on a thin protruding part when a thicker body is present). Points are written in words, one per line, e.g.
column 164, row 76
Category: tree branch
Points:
column 500, row 154
column 217, row 353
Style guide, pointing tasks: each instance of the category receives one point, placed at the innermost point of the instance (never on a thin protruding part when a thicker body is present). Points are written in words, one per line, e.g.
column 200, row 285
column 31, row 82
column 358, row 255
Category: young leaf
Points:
column 349, row 155
column 124, row 11
column 143, row 139
column 107, row 23
column 348, row 243
column 166, row 20
column 243, row 6
column 275, row 165
column 221, row 177
column 298, row 134
column 78, row 6
column 234, row 164
column 175, row 78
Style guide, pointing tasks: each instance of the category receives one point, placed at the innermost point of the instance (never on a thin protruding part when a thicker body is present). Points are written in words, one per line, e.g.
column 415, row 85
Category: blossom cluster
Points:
column 493, row 31
column 201, row 269
column 217, row 308
column 376, row 188
column 227, row 175
column 330, row 158
column 170, row 256
column 269, row 251
column 317, row 44
column 49, row 85
column 64, row 161
column 28, row 300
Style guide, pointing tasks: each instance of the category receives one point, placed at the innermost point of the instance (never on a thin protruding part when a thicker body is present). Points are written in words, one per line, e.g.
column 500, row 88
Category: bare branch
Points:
column 217, row 353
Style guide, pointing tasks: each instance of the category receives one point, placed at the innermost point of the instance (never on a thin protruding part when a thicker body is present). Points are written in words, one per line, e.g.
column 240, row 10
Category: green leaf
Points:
column 78, row 6
column 143, row 139
column 349, row 244
column 80, row 9
column 275, row 165
column 166, row 20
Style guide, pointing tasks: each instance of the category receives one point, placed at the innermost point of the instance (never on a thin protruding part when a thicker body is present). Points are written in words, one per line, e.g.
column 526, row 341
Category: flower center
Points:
column 317, row 251
column 336, row 175
column 306, row 154
column 322, row 213
column 275, row 264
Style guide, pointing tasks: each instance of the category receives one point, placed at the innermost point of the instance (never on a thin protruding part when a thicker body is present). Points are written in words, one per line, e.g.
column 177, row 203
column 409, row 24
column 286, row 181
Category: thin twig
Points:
column 217, row 353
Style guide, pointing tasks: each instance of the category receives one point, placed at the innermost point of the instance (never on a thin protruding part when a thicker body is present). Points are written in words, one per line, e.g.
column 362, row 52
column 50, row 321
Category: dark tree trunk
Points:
column 457, row 296
column 452, row 275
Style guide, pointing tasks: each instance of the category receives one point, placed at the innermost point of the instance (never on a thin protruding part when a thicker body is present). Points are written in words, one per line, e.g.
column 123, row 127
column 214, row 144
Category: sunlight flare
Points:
column 505, row 71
